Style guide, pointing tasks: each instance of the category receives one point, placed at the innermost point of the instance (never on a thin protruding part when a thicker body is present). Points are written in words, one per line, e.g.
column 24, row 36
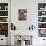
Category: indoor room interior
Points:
column 22, row 22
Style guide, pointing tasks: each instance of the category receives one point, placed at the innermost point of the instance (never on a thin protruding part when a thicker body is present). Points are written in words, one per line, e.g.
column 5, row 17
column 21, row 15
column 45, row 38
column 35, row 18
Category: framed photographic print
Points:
column 41, row 25
column 3, row 13
column 42, row 32
column 3, row 19
column 4, row 29
column 22, row 14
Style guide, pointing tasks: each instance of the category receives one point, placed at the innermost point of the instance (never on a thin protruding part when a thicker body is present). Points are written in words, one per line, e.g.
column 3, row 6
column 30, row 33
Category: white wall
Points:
column 32, row 8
